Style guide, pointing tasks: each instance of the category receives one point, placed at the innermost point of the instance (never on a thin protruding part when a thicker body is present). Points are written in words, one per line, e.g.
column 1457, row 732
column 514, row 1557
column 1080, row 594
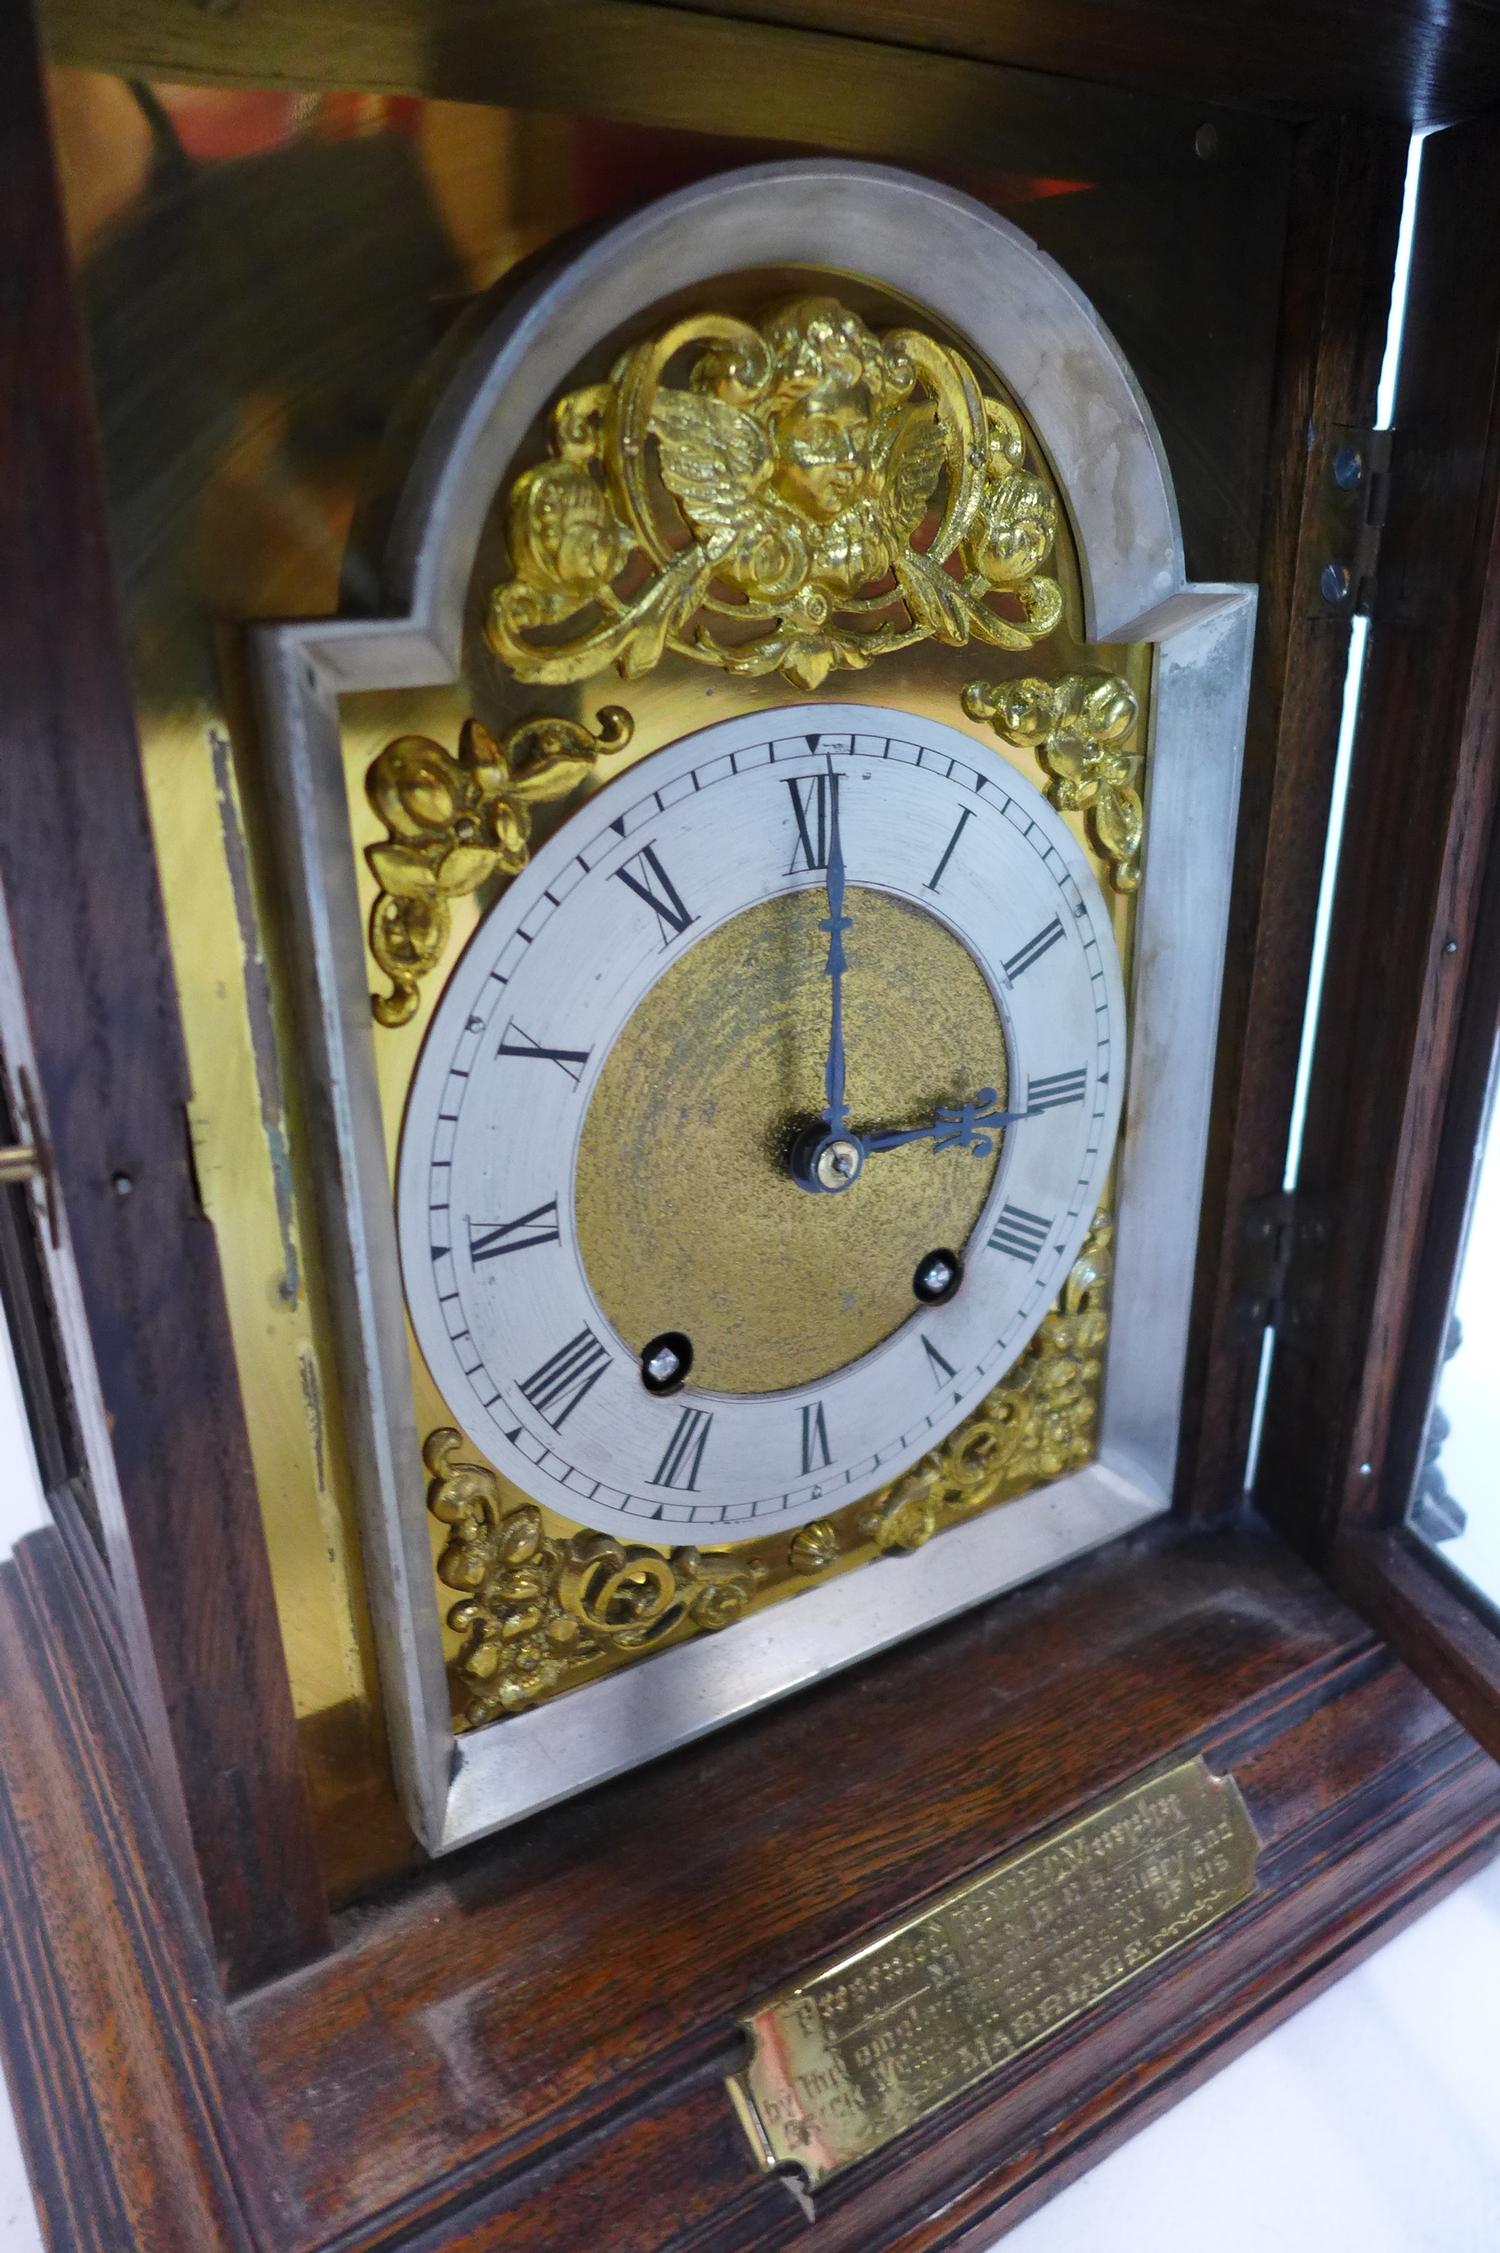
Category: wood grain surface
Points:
column 1346, row 208
column 89, row 1004
column 1422, row 801
column 524, row 2048
column 1383, row 58
column 136, row 2124
column 1417, row 60
column 579, row 1990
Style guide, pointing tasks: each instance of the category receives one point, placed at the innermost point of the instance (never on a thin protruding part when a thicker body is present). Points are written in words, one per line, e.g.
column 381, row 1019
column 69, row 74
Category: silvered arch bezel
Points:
column 988, row 285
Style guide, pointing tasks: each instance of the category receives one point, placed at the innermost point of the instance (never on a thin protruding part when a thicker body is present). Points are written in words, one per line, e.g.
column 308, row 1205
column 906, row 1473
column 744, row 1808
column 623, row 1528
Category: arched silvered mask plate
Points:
column 811, row 866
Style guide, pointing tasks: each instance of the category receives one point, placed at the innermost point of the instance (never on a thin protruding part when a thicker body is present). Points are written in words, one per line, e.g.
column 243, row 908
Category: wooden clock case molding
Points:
column 526, row 2043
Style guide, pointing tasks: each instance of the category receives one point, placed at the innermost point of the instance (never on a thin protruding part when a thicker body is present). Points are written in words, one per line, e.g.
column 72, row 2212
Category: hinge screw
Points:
column 1348, row 468
column 1335, row 583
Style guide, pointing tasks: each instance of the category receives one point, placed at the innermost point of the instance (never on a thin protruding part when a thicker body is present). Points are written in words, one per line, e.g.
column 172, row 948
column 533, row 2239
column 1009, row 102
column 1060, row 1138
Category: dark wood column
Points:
column 96, row 1069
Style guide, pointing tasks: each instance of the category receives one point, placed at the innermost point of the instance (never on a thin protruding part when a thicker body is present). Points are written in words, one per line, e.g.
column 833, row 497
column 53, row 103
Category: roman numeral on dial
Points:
column 1050, row 1093
column 815, row 1450
column 1019, row 1232
column 489, row 1238
column 557, row 1387
column 644, row 875
column 683, row 1460
column 936, row 877
column 943, row 1372
column 569, row 1060
column 810, row 811
column 1034, row 949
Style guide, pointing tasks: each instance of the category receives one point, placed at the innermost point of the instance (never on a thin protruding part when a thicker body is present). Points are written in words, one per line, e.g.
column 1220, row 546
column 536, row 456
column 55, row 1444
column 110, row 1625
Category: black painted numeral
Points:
column 569, row 1060
column 816, row 1455
column 943, row 1372
column 936, row 877
column 1034, row 949
column 557, row 1387
column 810, row 808
column 488, row 1239
column 683, row 1459
column 1050, row 1093
column 650, row 882
column 1020, row 1233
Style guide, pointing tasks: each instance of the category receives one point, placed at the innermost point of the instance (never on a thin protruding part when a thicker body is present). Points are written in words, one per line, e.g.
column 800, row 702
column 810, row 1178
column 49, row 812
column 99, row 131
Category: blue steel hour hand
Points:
column 835, row 923
column 958, row 1126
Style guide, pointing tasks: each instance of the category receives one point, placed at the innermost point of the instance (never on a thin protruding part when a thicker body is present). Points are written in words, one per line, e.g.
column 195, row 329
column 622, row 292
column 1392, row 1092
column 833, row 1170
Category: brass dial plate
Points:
column 687, row 1216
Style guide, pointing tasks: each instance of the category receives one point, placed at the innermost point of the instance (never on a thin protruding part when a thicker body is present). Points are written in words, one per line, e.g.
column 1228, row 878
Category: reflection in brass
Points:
column 687, row 1215
column 452, row 823
column 19, row 1161
column 1080, row 728
column 522, row 1636
column 1036, row 1424
column 810, row 496
column 534, row 1606
column 854, row 2055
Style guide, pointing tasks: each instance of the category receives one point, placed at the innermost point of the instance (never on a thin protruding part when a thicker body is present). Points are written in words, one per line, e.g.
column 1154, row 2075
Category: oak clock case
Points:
column 472, row 2048
column 727, row 1359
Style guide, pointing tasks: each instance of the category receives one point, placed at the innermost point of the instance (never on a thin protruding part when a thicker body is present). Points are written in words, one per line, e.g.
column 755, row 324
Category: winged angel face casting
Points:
column 818, row 496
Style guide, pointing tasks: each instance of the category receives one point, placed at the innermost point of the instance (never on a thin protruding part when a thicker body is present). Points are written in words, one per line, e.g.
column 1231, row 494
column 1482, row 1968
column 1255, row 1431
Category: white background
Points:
column 1368, row 2124
column 1469, row 1392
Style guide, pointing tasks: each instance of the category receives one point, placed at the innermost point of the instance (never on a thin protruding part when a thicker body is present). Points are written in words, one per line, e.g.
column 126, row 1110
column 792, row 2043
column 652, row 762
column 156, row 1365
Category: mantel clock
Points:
column 727, row 1529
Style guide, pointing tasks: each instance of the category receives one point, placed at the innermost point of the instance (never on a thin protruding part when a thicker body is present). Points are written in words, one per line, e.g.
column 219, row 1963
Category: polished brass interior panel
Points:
column 1170, row 215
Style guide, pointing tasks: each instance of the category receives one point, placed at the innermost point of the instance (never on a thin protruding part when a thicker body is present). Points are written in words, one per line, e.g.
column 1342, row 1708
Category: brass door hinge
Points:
column 1351, row 502
column 1282, row 1259
column 20, row 1161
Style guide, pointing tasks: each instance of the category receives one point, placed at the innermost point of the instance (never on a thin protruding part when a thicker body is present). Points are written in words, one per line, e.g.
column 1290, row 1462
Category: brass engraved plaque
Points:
column 853, row 2055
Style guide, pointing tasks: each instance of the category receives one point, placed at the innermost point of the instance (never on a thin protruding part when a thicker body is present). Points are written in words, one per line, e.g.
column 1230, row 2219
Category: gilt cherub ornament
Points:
column 811, row 496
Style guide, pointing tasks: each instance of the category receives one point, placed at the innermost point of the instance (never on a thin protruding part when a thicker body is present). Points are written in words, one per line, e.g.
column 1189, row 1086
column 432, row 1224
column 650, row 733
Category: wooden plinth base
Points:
column 524, row 2047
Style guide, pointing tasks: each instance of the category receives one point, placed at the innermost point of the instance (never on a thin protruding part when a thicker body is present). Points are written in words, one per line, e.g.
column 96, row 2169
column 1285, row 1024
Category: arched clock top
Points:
column 962, row 268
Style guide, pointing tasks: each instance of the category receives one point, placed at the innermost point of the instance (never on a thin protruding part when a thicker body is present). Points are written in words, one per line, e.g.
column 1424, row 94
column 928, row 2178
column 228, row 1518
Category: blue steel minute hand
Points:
column 958, row 1126
column 835, row 923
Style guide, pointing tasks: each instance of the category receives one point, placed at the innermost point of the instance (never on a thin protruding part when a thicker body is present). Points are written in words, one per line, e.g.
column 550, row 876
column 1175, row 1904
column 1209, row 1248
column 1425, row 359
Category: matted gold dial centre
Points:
column 687, row 1216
